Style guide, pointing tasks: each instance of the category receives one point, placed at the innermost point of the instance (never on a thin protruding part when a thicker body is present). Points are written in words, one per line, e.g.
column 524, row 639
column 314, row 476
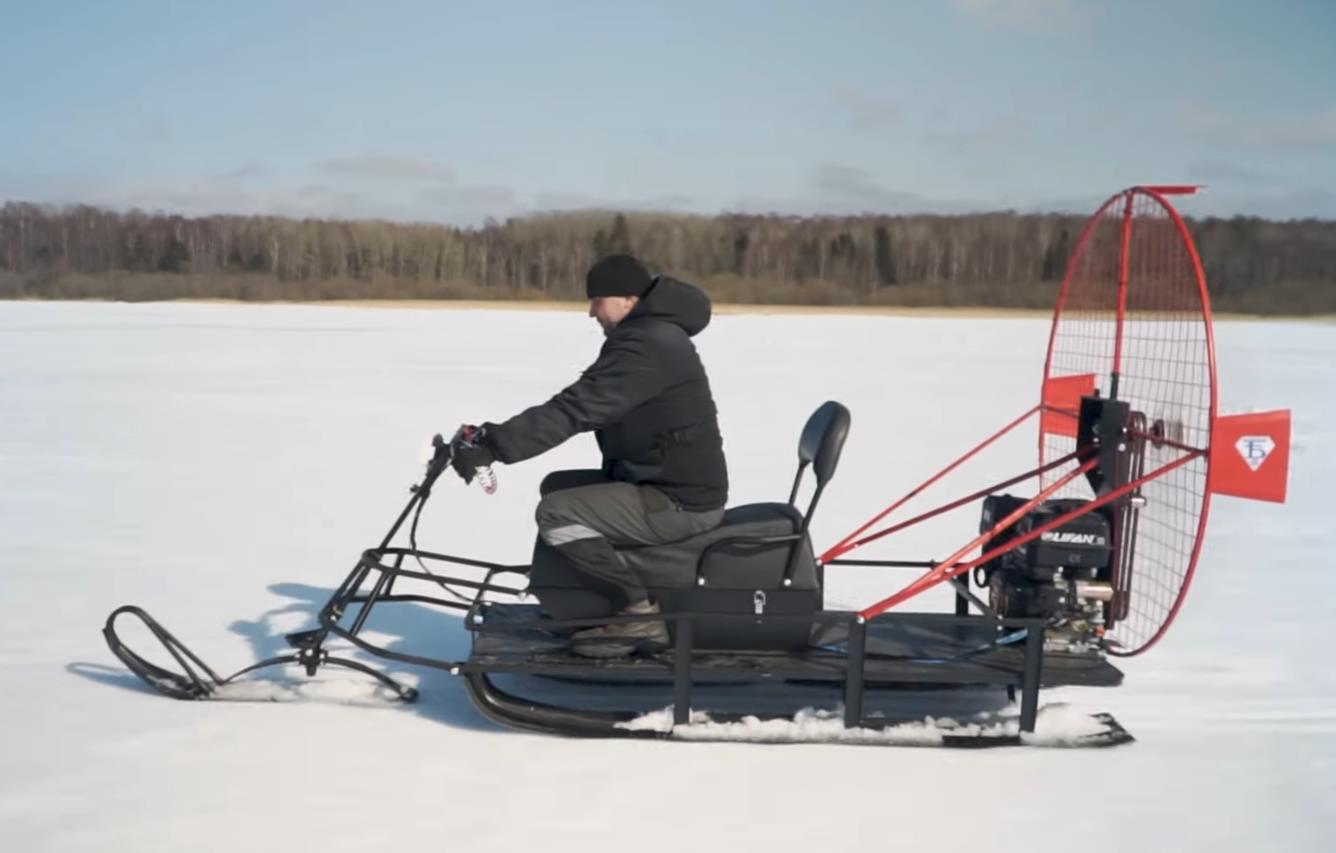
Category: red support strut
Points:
column 848, row 544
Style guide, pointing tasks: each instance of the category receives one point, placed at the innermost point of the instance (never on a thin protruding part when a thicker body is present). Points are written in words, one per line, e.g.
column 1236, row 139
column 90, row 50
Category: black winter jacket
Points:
column 647, row 399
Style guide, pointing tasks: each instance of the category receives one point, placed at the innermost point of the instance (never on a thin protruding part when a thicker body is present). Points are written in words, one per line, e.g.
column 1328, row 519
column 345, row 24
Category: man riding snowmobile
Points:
column 647, row 399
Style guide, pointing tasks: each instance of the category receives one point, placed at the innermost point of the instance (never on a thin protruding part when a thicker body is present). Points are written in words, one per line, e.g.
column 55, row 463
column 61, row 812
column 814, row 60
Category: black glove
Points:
column 470, row 451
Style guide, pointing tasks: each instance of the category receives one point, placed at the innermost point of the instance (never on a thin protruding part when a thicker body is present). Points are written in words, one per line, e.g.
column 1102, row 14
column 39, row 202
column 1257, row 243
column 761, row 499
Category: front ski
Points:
column 197, row 681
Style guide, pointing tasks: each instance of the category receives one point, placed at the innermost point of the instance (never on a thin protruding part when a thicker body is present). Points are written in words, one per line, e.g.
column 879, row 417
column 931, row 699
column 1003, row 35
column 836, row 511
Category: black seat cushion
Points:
column 729, row 565
column 737, row 576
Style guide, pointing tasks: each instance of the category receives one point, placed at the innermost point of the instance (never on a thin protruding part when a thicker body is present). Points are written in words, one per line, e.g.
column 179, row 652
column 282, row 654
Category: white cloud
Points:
column 1214, row 170
column 203, row 196
column 249, row 169
column 387, row 167
column 1301, row 203
column 1235, row 187
column 842, row 190
column 1314, row 129
column 555, row 201
column 867, row 111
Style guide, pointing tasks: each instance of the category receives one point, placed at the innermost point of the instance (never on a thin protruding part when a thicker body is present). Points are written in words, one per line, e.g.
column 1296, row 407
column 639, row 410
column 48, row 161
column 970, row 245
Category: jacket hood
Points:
column 676, row 302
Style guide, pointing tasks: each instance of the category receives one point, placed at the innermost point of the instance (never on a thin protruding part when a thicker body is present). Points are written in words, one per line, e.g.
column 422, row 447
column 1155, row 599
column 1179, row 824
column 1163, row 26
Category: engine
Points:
column 1063, row 575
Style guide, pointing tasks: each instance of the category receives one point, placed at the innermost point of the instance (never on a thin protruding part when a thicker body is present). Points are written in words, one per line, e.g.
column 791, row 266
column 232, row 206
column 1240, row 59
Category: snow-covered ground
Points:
column 223, row 465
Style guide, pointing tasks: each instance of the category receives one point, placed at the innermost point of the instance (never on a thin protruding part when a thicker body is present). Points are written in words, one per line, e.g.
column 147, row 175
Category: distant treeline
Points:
column 988, row 259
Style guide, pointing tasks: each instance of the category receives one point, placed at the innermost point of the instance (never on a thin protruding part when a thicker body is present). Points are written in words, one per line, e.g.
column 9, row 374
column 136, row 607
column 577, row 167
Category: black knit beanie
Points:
column 617, row 275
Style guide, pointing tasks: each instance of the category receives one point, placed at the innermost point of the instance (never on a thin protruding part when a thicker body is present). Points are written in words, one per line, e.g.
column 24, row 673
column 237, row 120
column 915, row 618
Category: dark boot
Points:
column 622, row 639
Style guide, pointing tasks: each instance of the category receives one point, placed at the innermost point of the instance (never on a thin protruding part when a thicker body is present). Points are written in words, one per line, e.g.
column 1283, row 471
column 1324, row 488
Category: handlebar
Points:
column 443, row 453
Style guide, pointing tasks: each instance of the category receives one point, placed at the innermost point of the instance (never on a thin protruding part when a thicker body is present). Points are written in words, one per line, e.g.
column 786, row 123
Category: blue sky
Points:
column 452, row 112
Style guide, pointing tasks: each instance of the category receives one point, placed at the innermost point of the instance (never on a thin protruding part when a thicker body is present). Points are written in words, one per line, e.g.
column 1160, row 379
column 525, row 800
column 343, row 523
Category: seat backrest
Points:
column 823, row 439
column 819, row 446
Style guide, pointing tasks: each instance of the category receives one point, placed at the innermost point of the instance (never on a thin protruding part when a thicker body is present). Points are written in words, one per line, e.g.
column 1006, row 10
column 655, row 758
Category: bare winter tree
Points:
column 998, row 258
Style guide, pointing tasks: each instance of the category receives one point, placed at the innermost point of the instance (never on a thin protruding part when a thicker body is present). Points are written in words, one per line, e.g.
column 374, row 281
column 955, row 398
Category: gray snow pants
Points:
column 583, row 514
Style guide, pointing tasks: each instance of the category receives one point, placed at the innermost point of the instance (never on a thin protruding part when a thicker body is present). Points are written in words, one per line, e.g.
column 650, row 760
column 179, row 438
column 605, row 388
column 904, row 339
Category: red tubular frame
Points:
column 1077, row 252
column 1158, row 193
column 847, row 544
column 1124, row 250
column 959, row 502
column 950, row 568
column 1171, row 189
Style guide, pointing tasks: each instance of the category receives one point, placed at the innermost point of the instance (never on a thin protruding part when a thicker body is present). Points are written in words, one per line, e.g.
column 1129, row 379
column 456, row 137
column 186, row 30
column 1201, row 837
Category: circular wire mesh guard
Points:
column 1161, row 337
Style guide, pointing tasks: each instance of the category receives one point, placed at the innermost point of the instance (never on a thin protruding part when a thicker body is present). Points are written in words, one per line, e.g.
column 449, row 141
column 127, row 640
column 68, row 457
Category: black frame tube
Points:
column 848, row 666
column 682, row 674
column 1034, row 661
column 853, row 679
column 851, row 665
column 854, row 658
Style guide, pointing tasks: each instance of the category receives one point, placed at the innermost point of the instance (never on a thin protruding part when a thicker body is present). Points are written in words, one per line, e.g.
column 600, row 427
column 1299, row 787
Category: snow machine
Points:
column 1054, row 584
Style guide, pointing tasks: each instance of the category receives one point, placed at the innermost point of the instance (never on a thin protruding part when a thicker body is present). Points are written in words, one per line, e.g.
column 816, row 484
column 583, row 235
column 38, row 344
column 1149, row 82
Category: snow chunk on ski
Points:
column 338, row 691
column 1058, row 725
